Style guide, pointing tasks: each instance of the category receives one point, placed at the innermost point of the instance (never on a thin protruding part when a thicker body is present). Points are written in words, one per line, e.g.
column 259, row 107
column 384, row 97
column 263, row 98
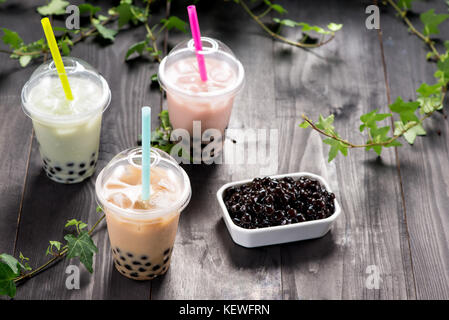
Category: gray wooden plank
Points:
column 345, row 78
column 424, row 165
column 206, row 263
column 15, row 134
column 48, row 205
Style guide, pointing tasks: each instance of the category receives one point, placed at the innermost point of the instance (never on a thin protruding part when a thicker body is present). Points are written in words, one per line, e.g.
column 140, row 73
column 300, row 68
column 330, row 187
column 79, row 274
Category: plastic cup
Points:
column 209, row 102
column 68, row 132
column 142, row 237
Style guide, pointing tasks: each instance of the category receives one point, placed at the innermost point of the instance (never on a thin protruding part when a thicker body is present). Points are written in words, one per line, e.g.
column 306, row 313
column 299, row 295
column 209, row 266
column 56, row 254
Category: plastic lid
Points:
column 211, row 48
column 159, row 159
column 75, row 68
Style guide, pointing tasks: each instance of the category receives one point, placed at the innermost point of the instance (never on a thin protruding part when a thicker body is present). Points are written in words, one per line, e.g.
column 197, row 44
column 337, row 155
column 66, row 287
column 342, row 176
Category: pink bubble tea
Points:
column 190, row 99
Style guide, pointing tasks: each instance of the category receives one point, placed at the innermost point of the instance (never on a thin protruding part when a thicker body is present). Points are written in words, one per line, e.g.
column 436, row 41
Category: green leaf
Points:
column 125, row 14
column 88, row 8
column 443, row 66
column 405, row 4
column 99, row 209
column 174, row 22
column 56, row 244
column 431, row 21
column 406, row 110
column 286, row 22
column 54, row 7
column 82, row 247
column 335, row 147
column 325, row 124
column 376, row 148
column 426, row 90
column 137, row 47
column 154, row 77
column 11, row 262
column 12, row 39
column 106, row 33
column 278, row 8
column 412, row 128
column 370, row 119
column 334, row 27
column 304, row 125
column 24, row 60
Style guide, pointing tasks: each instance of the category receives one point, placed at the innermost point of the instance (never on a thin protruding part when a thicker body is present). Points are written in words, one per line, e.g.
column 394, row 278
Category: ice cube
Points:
column 183, row 67
column 131, row 176
column 120, row 200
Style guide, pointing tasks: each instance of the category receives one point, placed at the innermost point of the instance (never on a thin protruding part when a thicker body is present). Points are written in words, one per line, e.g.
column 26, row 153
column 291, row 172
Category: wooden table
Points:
column 395, row 208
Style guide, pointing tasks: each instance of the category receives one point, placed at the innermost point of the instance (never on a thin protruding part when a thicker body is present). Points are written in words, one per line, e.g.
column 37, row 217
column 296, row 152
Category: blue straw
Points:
column 146, row 149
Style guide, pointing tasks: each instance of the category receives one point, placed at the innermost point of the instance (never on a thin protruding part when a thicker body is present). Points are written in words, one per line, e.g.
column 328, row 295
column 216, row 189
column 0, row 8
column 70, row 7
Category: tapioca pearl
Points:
column 136, row 263
column 58, row 169
column 93, row 155
column 127, row 266
column 70, row 180
column 166, row 251
column 92, row 163
column 49, row 175
column 156, row 267
column 151, row 275
column 147, row 264
column 71, row 172
column 164, row 268
column 52, row 171
column 122, row 258
column 82, row 165
column 130, row 255
column 82, row 172
column 134, row 274
column 70, row 164
column 143, row 258
column 118, row 262
column 117, row 249
column 166, row 259
column 142, row 269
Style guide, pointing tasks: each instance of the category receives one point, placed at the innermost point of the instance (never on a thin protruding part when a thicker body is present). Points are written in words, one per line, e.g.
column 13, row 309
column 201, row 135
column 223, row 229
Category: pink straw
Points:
column 195, row 28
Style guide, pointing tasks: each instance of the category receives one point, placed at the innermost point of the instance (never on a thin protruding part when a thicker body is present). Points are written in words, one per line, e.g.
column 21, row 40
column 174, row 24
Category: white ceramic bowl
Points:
column 251, row 238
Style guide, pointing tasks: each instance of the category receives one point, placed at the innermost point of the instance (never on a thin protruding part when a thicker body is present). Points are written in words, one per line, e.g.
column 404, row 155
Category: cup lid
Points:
column 74, row 68
column 159, row 159
column 211, row 48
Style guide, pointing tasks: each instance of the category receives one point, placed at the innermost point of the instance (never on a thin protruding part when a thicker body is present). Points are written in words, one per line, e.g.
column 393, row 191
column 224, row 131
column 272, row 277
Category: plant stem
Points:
column 279, row 37
column 60, row 255
column 426, row 39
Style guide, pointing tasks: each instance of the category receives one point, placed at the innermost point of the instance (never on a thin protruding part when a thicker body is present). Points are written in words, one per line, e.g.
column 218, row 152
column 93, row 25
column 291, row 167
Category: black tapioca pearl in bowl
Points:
column 143, row 258
column 151, row 275
column 166, row 259
column 122, row 258
column 134, row 274
column 52, row 171
column 92, row 163
column 82, row 172
column 142, row 269
column 93, row 155
column 166, row 251
column 118, row 262
column 113, row 250
column 164, row 268
column 127, row 266
column 156, row 267
column 70, row 164
column 82, row 165
column 58, row 169
column 136, row 263
column 147, row 264
column 130, row 255
column 70, row 180
column 117, row 249
column 71, row 172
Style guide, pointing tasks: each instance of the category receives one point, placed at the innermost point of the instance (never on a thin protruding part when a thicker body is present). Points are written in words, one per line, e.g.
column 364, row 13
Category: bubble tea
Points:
column 142, row 233
column 188, row 97
column 68, row 132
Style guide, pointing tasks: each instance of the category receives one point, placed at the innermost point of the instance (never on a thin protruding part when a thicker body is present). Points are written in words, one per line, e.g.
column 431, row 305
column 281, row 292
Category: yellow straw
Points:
column 57, row 57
